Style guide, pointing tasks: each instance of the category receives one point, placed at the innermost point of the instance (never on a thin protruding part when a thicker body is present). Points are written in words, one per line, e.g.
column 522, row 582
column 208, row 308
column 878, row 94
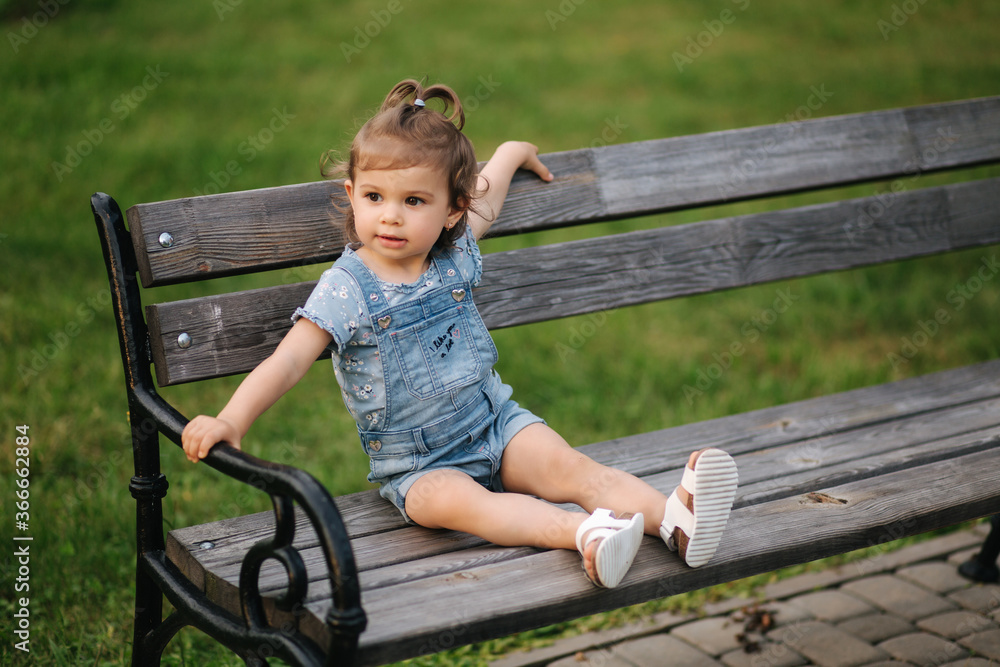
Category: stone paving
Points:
column 904, row 607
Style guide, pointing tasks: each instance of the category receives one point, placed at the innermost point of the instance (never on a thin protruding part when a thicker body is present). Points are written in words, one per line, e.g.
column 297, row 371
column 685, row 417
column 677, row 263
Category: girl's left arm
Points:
column 495, row 179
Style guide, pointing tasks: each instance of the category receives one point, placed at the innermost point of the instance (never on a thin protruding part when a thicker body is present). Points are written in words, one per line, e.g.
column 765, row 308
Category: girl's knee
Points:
column 433, row 496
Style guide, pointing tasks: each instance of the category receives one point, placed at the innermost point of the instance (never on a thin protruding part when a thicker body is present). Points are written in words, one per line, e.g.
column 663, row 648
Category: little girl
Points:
column 448, row 446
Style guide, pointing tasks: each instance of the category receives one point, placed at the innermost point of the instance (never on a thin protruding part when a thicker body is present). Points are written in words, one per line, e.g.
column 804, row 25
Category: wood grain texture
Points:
column 296, row 225
column 232, row 333
column 906, row 457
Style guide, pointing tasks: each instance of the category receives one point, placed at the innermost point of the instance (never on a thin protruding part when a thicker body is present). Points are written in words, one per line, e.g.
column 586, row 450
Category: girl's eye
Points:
column 413, row 201
column 373, row 196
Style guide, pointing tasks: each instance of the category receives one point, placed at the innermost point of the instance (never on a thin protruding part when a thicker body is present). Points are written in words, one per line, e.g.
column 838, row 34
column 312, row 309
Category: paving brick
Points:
column 875, row 628
column 592, row 641
column 922, row 648
column 960, row 557
column 714, row 636
column 727, row 605
column 660, row 650
column 930, row 550
column 770, row 654
column 827, row 646
column 956, row 624
column 832, row 605
column 982, row 598
column 969, row 662
column 808, row 582
column 601, row 658
column 935, row 576
column 986, row 644
column 899, row 597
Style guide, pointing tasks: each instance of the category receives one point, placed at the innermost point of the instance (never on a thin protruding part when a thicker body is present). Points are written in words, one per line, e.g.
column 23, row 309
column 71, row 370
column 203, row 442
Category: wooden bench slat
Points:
column 296, row 225
column 233, row 333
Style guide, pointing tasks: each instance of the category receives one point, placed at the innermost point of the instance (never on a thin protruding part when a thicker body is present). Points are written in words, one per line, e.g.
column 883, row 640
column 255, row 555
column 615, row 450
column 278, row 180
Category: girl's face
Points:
column 399, row 215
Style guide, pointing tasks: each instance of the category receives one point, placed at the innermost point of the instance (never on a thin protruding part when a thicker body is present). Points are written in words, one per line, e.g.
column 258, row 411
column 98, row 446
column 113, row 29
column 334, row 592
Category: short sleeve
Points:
column 334, row 306
column 466, row 256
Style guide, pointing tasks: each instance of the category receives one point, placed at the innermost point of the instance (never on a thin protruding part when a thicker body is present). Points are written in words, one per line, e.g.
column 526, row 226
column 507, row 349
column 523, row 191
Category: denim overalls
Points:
column 445, row 406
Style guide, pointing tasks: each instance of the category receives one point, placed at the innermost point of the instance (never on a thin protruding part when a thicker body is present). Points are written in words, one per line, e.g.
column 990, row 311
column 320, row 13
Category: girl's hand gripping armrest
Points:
column 266, row 384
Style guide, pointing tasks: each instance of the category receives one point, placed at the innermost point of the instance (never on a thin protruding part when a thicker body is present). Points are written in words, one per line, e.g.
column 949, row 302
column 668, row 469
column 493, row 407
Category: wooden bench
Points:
column 818, row 477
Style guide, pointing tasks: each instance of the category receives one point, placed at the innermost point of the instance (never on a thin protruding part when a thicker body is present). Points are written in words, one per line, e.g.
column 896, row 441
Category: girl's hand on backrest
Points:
column 495, row 180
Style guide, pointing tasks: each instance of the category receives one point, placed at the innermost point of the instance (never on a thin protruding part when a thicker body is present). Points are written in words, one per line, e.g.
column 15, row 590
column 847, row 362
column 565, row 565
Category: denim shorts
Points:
column 471, row 441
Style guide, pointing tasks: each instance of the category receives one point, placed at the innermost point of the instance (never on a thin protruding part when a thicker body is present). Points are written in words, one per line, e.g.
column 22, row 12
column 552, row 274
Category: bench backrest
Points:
column 244, row 232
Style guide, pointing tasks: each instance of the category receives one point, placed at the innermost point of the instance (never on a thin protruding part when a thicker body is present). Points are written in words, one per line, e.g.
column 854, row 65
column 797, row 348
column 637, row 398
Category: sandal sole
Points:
column 715, row 489
column 616, row 552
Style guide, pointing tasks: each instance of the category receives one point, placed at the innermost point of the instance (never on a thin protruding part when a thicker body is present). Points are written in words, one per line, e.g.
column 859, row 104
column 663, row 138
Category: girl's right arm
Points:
column 297, row 351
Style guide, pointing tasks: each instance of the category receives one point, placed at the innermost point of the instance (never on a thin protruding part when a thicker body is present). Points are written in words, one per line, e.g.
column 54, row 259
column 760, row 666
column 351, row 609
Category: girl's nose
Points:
column 391, row 214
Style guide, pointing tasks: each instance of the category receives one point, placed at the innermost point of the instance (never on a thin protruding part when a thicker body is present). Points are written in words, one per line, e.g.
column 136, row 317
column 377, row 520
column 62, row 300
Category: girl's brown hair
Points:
column 406, row 134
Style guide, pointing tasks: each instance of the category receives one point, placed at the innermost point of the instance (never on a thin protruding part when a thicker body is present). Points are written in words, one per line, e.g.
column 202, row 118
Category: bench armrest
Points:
column 286, row 485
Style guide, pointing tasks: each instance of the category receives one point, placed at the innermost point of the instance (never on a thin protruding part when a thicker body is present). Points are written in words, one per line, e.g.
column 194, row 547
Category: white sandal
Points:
column 619, row 542
column 695, row 532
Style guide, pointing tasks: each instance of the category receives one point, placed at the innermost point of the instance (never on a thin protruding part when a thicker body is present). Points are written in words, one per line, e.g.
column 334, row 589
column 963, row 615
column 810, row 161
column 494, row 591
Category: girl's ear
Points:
column 349, row 188
column 456, row 213
column 454, row 216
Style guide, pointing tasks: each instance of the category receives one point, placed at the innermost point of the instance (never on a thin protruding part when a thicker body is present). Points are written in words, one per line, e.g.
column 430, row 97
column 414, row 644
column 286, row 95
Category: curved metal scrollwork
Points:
column 280, row 549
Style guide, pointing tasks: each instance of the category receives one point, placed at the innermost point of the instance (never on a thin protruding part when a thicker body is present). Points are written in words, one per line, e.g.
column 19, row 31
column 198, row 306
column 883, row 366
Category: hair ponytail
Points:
column 400, row 93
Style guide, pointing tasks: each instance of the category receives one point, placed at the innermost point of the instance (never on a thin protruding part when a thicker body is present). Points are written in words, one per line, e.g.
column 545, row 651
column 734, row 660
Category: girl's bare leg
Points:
column 451, row 499
column 539, row 462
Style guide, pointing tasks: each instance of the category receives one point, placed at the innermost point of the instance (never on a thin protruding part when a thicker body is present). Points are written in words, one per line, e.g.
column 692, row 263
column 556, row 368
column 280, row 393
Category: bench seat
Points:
column 817, row 477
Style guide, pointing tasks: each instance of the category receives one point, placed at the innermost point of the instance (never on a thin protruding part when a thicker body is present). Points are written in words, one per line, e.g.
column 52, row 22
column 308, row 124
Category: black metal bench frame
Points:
column 597, row 182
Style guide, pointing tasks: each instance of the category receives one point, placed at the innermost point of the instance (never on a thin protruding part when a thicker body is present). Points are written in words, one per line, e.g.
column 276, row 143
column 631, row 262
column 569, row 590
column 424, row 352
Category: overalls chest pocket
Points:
column 437, row 354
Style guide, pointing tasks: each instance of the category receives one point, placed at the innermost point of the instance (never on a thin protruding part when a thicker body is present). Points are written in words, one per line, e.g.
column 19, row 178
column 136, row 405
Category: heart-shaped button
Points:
column 458, row 294
column 384, row 321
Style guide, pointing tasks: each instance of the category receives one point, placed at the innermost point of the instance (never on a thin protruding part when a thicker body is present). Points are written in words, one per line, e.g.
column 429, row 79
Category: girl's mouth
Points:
column 391, row 241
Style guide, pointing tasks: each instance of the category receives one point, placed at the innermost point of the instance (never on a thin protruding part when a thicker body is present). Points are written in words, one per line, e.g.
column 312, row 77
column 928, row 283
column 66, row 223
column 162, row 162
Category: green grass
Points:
column 161, row 101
